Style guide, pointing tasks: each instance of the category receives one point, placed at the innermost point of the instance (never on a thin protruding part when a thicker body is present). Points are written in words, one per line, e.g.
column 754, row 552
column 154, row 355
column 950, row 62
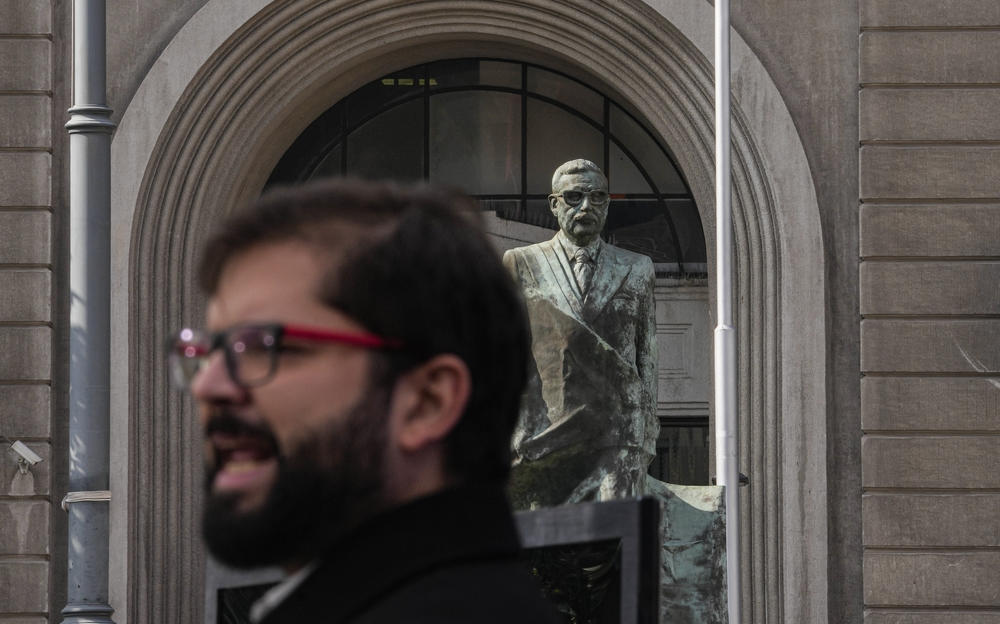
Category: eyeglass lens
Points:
column 575, row 197
column 249, row 354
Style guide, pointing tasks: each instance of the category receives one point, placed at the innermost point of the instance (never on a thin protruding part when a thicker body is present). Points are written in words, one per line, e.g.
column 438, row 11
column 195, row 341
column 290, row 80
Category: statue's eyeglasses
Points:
column 251, row 351
column 575, row 198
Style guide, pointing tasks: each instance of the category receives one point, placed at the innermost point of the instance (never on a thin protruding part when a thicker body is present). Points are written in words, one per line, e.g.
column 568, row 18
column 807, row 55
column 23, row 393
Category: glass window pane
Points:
column 555, row 136
column 474, row 73
column 383, row 92
column 623, row 175
column 390, row 145
column 330, row 165
column 475, row 141
column 640, row 225
column 567, row 91
column 646, row 151
column 690, row 233
column 682, row 455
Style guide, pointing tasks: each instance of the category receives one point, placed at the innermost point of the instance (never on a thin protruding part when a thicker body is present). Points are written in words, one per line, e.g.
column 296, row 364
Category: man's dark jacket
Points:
column 449, row 557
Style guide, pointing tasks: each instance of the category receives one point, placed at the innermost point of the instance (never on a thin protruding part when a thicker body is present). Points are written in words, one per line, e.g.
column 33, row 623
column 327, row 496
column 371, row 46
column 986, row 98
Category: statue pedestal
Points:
column 693, row 558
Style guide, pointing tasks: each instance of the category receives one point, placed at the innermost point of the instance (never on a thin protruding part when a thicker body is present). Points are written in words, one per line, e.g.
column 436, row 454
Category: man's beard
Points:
column 326, row 485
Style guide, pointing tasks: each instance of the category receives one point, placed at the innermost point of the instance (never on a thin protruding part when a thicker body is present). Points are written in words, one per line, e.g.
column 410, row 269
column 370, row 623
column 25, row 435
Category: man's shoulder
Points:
column 498, row 591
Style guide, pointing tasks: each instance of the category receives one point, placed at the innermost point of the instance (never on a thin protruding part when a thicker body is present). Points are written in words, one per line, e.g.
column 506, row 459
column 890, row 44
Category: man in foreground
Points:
column 358, row 383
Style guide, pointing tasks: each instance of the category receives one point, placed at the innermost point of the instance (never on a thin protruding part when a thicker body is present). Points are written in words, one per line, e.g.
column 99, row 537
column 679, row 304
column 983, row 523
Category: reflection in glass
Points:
column 330, row 165
column 382, row 93
column 568, row 91
column 639, row 225
column 555, row 136
column 646, row 151
column 474, row 73
column 623, row 175
column 687, row 224
column 389, row 146
column 682, row 453
column 475, row 141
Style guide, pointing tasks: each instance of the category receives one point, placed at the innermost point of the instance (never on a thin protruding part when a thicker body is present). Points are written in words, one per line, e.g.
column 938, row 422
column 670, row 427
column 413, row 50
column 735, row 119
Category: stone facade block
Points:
column 950, row 520
column 25, row 353
column 932, row 346
column 930, row 404
column 25, row 295
column 34, row 483
column 886, row 616
column 24, row 586
column 25, row 527
column 25, row 17
column 26, row 65
column 24, row 411
column 930, row 57
column 954, row 579
column 958, row 230
column 929, row 114
column 930, row 461
column 25, row 180
column 930, row 172
column 30, row 121
column 930, row 287
column 924, row 13
column 25, row 237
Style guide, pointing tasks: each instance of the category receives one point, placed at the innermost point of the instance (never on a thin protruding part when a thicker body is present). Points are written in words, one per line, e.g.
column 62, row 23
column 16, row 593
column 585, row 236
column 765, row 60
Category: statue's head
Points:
column 579, row 200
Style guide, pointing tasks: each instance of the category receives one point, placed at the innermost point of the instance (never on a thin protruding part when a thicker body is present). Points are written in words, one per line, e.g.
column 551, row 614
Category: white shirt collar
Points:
column 277, row 594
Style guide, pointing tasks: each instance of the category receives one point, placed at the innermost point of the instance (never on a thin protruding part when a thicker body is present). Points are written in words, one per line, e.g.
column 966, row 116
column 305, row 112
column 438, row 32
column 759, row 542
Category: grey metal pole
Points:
column 726, row 423
column 90, row 129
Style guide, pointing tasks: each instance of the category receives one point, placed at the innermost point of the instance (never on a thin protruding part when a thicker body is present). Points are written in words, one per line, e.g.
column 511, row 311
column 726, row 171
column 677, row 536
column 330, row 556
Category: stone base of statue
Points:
column 693, row 558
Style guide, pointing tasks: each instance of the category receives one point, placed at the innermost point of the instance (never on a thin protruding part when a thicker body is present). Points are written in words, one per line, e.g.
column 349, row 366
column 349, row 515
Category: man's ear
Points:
column 429, row 401
column 554, row 205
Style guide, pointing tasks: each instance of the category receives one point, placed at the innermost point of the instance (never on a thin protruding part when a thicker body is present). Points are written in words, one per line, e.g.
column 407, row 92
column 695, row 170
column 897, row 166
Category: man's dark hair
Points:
column 412, row 264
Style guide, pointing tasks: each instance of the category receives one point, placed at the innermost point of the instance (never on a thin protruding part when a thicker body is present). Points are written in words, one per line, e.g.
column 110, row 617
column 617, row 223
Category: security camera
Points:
column 25, row 454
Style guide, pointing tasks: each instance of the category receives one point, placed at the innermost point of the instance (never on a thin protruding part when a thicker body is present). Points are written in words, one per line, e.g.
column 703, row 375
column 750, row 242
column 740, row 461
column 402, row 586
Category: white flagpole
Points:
column 726, row 462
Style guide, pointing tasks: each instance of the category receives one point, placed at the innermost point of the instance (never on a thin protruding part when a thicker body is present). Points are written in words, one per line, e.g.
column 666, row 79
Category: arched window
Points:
column 498, row 129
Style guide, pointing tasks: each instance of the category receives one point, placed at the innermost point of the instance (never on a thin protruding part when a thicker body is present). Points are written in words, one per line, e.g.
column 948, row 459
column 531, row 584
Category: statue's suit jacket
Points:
column 588, row 422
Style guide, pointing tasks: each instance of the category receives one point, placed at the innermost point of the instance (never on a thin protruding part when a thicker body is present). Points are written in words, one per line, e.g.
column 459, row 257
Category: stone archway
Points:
column 239, row 82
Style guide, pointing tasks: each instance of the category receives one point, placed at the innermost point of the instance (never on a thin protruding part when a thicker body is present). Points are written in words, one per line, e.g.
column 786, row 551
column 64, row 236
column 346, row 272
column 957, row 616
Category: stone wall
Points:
column 26, row 335
column 930, row 306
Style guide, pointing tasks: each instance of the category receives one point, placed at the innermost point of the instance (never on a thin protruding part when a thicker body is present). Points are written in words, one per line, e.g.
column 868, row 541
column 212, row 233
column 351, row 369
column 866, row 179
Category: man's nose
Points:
column 213, row 383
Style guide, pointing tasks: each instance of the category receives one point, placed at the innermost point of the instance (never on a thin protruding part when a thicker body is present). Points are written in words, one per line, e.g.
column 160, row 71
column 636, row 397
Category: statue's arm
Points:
column 646, row 358
column 510, row 263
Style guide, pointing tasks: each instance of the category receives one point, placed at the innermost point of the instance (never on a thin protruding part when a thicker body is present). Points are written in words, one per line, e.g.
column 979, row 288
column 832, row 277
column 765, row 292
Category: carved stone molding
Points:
column 239, row 82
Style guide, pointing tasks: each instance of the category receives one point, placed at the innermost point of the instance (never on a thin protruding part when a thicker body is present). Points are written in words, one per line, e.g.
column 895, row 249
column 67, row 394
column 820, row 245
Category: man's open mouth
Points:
column 245, row 456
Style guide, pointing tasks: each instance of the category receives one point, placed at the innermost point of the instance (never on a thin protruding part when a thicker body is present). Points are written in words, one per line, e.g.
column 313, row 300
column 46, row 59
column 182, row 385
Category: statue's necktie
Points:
column 583, row 268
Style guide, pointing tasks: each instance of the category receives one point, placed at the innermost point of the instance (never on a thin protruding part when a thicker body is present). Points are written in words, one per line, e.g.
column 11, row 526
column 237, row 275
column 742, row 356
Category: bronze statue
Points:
column 588, row 423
